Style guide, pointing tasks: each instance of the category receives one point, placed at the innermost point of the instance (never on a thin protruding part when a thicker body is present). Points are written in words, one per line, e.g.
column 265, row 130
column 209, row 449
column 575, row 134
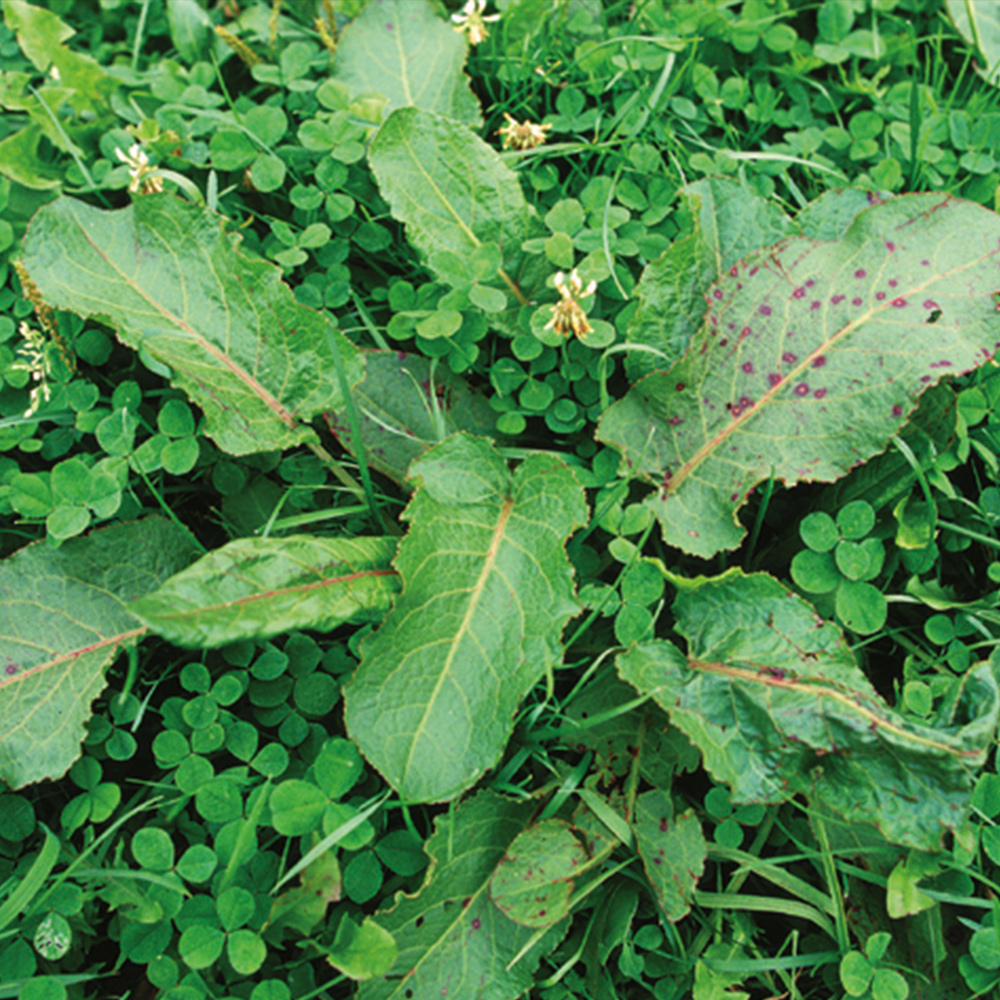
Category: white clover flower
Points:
column 139, row 169
column 473, row 22
column 567, row 314
column 36, row 361
column 525, row 135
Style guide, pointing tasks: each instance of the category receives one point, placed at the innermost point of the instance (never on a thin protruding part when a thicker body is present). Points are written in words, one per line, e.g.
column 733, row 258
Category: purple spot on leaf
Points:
column 675, row 421
column 764, row 310
column 802, row 389
column 476, row 924
column 810, row 282
column 798, row 293
column 930, row 304
column 820, row 361
column 925, row 263
column 789, row 358
column 890, row 246
column 837, row 299
column 880, row 296
column 897, row 410
column 747, row 366
column 680, row 388
column 815, row 305
column 388, row 25
column 940, row 364
column 745, row 332
column 773, row 378
column 856, row 301
column 893, row 282
column 819, row 393
column 860, row 272
column 899, row 303
column 717, row 293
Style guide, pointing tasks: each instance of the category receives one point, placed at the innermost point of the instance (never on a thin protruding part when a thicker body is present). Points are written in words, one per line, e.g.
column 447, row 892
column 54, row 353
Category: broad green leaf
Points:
column 487, row 589
column 20, row 161
column 672, row 849
column 405, row 406
column 450, row 935
column 40, row 32
column 456, row 195
column 364, row 952
column 255, row 588
column 533, row 883
column 775, row 701
column 405, row 52
column 172, row 281
column 811, row 358
column 979, row 24
column 65, row 617
column 729, row 221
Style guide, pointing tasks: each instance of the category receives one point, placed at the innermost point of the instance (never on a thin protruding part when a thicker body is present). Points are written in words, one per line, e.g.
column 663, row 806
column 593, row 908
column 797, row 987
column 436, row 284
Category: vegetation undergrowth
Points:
column 499, row 500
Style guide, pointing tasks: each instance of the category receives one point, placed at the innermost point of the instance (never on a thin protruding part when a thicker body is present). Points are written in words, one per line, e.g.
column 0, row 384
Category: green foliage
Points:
column 297, row 278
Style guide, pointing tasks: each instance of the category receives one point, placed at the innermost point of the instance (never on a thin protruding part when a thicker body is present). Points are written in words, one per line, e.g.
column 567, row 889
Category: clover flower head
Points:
column 36, row 361
column 525, row 135
column 473, row 21
column 139, row 168
column 567, row 314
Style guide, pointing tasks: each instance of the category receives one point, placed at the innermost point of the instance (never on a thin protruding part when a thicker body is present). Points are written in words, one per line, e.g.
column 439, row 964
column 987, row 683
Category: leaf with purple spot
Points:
column 672, row 849
column 831, row 381
column 453, row 941
column 534, row 882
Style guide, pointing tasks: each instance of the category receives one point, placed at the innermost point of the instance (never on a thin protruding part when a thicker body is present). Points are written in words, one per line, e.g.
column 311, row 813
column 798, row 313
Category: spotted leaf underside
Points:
column 775, row 701
column 811, row 356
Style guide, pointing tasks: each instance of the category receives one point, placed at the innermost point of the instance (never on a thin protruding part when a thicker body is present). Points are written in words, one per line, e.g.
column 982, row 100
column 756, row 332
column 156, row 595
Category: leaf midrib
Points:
column 818, row 690
column 244, row 376
column 475, row 594
column 708, row 448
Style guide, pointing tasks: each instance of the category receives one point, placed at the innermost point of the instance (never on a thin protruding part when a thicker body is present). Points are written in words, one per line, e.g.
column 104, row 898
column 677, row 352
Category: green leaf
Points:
column 40, row 33
column 255, row 588
column 406, row 405
column 455, row 194
column 450, row 935
column 729, row 221
column 855, row 973
column 979, row 25
column 405, row 52
column 21, row 161
column 65, row 618
column 364, row 952
column 776, row 703
column 533, row 883
column 170, row 278
column 673, row 851
column 487, row 588
column 772, row 385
